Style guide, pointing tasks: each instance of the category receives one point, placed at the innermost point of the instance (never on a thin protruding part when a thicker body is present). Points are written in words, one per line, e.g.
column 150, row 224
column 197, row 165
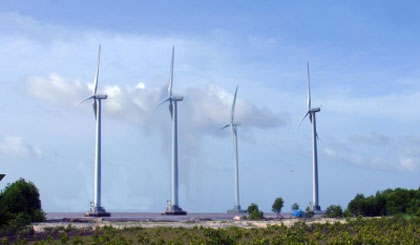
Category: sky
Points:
column 365, row 76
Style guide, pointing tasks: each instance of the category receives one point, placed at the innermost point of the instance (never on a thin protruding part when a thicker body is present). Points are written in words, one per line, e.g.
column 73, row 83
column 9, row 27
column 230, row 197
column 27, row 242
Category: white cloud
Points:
column 17, row 147
column 141, row 85
column 206, row 109
column 55, row 89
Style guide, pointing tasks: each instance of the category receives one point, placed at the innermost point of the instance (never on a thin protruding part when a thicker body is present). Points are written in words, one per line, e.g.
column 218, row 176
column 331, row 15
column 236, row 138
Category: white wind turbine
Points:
column 173, row 207
column 311, row 112
column 95, row 207
column 233, row 126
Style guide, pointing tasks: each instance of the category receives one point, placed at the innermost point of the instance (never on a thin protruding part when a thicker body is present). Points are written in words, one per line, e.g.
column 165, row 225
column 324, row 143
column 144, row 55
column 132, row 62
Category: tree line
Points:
column 387, row 202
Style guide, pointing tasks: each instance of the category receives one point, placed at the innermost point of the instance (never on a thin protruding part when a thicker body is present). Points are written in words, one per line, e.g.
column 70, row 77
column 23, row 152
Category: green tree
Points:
column 277, row 205
column 20, row 204
column 357, row 205
column 334, row 211
column 295, row 207
column 388, row 202
column 254, row 212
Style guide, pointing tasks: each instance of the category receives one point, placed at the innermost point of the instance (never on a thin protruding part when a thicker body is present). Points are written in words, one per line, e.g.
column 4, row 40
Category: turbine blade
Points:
column 309, row 88
column 171, row 80
column 88, row 98
column 95, row 82
column 310, row 117
column 227, row 125
column 304, row 116
column 171, row 109
column 160, row 103
column 233, row 105
column 94, row 107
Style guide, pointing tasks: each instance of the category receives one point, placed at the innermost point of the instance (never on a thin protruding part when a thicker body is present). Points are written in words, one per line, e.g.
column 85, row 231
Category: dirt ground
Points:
column 92, row 223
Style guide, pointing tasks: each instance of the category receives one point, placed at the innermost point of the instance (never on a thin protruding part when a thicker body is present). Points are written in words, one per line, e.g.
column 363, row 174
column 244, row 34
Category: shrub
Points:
column 254, row 212
column 347, row 214
column 334, row 211
column 309, row 212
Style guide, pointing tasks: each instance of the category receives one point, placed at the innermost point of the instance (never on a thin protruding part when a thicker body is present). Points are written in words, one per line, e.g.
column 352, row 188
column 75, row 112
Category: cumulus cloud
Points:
column 55, row 89
column 17, row 147
column 206, row 109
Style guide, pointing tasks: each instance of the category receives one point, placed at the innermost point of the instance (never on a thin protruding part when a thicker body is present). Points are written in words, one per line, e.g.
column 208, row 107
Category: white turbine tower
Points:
column 173, row 207
column 311, row 112
column 233, row 126
column 95, row 208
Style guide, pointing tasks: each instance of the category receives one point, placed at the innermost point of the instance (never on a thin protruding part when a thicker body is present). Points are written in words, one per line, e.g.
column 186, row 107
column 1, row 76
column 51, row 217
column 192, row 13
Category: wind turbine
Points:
column 95, row 206
column 173, row 206
column 311, row 112
column 233, row 126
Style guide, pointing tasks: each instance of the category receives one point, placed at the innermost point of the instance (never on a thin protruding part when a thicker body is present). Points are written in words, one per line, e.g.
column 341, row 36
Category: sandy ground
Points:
column 92, row 223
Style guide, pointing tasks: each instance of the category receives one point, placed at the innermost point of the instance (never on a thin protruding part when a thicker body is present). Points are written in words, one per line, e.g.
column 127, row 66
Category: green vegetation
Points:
column 19, row 206
column 334, row 211
column 277, row 206
column 309, row 213
column 295, row 207
column 254, row 212
column 388, row 202
column 356, row 231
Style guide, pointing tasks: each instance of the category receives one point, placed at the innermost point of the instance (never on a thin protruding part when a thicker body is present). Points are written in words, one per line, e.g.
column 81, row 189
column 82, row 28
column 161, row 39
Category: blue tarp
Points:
column 299, row 213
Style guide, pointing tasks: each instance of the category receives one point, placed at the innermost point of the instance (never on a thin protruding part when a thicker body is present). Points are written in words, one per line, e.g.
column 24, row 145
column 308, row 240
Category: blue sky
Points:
column 365, row 75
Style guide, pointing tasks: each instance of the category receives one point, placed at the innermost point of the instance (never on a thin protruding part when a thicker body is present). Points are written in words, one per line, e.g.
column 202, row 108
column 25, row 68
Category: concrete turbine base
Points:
column 237, row 211
column 97, row 212
column 316, row 209
column 174, row 210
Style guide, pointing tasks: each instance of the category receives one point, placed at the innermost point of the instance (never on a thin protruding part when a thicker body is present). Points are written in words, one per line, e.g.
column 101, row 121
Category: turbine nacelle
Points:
column 176, row 98
column 100, row 96
column 317, row 109
column 232, row 113
column 171, row 98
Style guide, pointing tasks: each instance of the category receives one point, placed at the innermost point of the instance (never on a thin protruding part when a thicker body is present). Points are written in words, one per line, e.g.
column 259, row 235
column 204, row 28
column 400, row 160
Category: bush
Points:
column 309, row 212
column 19, row 206
column 347, row 214
column 254, row 212
column 334, row 211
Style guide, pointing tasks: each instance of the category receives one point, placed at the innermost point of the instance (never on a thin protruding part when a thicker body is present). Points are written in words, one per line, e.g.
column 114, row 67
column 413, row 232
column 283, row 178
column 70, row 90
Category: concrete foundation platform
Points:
column 174, row 210
column 237, row 211
column 97, row 212
column 316, row 209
